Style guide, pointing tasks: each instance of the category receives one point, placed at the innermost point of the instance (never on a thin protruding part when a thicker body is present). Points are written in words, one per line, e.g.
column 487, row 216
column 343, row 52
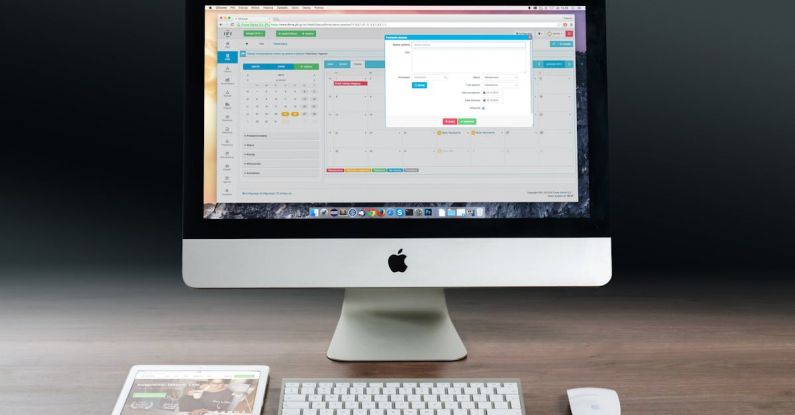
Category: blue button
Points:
column 268, row 66
column 553, row 64
column 227, row 56
column 561, row 43
column 394, row 170
column 419, row 85
column 375, row 64
column 336, row 64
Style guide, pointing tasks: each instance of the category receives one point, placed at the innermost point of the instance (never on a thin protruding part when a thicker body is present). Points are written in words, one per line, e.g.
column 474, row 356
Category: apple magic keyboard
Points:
column 401, row 397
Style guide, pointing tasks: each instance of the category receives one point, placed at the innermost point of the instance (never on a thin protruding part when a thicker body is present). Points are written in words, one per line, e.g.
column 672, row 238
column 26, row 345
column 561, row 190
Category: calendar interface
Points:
column 324, row 105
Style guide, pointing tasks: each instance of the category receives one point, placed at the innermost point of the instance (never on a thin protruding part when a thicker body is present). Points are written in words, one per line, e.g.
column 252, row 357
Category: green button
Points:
column 306, row 66
column 149, row 395
column 254, row 33
column 467, row 121
column 379, row 170
column 296, row 33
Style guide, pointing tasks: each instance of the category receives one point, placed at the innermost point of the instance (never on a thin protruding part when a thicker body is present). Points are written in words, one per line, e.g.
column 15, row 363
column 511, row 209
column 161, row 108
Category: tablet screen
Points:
column 192, row 392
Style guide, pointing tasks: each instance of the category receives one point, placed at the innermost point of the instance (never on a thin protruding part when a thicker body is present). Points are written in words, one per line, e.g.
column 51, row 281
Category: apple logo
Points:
column 397, row 262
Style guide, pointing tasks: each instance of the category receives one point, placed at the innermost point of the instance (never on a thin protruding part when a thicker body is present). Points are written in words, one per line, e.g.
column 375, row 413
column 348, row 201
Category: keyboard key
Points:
column 295, row 405
column 294, row 398
column 503, row 412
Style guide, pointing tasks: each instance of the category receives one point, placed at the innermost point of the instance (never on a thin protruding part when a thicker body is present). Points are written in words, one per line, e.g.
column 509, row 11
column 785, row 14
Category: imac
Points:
column 395, row 149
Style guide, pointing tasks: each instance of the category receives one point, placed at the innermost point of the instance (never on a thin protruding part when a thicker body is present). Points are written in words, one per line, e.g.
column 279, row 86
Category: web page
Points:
column 354, row 112
column 205, row 392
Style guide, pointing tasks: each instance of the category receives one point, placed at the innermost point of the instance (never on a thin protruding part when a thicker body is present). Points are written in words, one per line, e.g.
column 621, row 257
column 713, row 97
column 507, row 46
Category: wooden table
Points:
column 667, row 346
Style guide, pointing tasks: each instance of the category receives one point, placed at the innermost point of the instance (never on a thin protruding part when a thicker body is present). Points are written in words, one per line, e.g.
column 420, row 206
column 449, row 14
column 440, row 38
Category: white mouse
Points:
column 594, row 401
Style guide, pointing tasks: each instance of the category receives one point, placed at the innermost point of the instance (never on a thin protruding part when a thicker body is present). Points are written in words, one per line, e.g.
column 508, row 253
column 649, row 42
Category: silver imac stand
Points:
column 395, row 324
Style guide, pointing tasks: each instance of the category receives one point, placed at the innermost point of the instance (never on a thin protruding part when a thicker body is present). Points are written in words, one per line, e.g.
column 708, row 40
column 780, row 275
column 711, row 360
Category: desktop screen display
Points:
column 395, row 112
column 180, row 391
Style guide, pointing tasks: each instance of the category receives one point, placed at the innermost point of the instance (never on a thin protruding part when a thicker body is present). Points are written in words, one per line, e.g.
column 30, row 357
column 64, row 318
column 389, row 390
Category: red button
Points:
column 450, row 121
column 569, row 33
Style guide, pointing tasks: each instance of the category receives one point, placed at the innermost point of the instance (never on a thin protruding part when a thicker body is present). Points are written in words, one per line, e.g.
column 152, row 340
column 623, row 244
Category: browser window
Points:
column 316, row 110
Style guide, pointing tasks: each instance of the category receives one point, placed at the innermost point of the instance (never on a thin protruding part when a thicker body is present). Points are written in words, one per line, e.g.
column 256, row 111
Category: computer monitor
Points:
column 395, row 149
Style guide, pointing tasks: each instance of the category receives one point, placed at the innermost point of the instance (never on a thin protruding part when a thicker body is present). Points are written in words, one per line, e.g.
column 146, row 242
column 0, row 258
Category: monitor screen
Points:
column 322, row 112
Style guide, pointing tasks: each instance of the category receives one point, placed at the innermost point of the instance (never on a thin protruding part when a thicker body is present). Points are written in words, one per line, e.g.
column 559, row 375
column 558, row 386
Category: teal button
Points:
column 561, row 43
column 552, row 64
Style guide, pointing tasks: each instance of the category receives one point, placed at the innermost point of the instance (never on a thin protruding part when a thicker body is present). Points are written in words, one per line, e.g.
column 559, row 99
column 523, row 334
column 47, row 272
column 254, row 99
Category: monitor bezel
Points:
column 195, row 226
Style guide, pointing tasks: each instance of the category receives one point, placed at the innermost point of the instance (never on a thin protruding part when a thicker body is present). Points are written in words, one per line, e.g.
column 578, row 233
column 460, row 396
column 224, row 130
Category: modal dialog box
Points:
column 458, row 80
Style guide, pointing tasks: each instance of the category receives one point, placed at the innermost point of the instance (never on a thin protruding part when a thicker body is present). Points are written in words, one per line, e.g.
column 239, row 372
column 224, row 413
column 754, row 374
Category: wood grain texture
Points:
column 667, row 347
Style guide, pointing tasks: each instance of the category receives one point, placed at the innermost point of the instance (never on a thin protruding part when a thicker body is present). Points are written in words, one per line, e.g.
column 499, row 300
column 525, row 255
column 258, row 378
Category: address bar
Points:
column 418, row 24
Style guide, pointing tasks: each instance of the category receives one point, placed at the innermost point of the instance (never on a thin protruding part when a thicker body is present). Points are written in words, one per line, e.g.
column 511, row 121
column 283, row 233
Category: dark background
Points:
column 701, row 136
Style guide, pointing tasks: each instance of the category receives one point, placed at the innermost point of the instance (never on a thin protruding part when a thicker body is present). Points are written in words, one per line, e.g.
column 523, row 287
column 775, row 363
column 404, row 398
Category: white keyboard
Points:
column 401, row 397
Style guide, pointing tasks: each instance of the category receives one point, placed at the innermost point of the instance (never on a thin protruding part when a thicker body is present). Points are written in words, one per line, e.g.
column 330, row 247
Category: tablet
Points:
column 193, row 390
